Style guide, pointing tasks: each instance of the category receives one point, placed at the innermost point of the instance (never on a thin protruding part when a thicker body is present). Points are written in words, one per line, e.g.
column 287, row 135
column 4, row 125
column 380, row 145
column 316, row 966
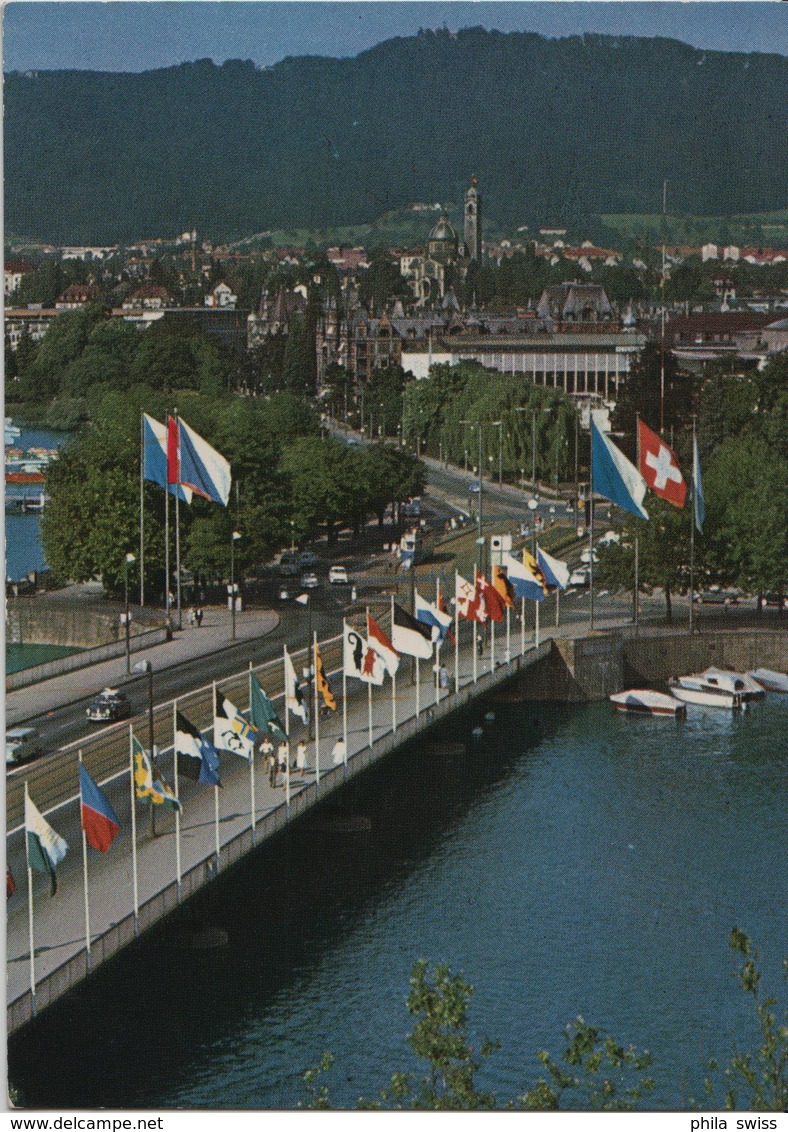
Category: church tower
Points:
column 473, row 221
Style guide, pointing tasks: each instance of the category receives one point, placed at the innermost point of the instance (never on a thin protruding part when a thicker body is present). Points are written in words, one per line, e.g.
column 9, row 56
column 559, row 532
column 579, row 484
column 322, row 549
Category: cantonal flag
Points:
column 470, row 602
column 379, row 643
column 503, row 586
column 99, row 820
column 45, row 848
column 410, row 636
column 492, row 599
column 660, row 468
column 440, row 601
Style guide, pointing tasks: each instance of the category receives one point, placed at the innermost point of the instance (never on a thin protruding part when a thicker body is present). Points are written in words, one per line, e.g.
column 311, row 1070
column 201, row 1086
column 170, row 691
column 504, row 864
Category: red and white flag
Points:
column 379, row 643
column 492, row 599
column 660, row 468
column 470, row 602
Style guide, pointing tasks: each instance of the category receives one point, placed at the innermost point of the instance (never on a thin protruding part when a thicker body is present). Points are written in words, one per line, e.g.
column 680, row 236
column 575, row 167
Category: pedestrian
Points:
column 198, row 616
column 192, row 616
column 282, row 757
column 480, row 645
column 338, row 752
column 444, row 676
column 269, row 758
column 301, row 758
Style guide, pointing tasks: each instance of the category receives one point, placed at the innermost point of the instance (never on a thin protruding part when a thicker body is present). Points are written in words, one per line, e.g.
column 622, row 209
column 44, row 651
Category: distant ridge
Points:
column 556, row 129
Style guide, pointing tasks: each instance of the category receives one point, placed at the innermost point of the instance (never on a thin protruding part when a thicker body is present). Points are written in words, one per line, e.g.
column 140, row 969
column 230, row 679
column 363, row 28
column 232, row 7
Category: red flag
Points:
column 173, row 451
column 660, row 468
column 492, row 599
column 379, row 643
column 10, row 883
column 441, row 604
column 470, row 601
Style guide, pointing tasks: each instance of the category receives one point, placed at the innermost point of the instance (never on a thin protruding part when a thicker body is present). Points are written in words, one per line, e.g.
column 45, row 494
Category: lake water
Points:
column 23, row 532
column 571, row 862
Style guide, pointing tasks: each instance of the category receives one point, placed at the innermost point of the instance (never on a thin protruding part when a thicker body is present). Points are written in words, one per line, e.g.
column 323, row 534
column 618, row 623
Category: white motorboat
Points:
column 715, row 688
column 769, row 679
column 642, row 701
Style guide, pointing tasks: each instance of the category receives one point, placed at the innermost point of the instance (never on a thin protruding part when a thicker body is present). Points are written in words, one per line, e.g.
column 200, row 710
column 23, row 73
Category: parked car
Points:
column 108, row 707
column 716, row 596
column 307, row 558
column 475, row 487
column 337, row 576
column 288, row 566
column 579, row 577
column 780, row 600
column 309, row 582
column 21, row 745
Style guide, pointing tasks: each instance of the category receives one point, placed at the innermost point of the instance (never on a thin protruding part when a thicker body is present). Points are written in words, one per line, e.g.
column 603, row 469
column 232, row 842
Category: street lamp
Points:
column 235, row 536
column 306, row 599
column 499, row 426
column 126, row 616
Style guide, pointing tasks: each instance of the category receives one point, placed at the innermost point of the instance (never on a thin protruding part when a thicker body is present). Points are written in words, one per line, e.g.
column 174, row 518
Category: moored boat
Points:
column 769, row 679
column 714, row 688
column 642, row 701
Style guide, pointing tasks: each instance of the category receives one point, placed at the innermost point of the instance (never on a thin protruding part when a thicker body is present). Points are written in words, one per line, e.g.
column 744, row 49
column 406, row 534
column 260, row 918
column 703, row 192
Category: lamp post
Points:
column 126, row 616
column 479, row 536
column 499, row 426
column 235, row 536
column 306, row 599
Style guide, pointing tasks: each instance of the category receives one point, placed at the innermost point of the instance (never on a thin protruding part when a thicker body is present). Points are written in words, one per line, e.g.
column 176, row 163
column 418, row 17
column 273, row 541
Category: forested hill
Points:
column 555, row 129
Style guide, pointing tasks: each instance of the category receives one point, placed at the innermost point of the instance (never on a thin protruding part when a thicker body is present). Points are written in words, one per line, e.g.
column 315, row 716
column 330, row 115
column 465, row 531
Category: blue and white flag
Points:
column 201, row 467
column 295, row 700
column 196, row 756
column 697, row 487
column 556, row 573
column 613, row 475
column 524, row 582
column 231, row 731
column 154, row 457
column 440, row 623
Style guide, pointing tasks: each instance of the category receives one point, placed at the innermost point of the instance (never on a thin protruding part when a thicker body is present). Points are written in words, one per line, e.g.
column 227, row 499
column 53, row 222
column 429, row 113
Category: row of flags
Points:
column 617, row 479
column 182, row 462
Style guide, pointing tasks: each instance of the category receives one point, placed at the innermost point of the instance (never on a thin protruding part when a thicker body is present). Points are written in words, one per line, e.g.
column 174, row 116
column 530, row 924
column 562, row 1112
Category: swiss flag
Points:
column 660, row 468
column 492, row 599
column 173, row 451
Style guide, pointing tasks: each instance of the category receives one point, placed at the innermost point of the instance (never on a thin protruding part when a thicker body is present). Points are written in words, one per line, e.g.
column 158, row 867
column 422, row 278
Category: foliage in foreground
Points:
column 592, row 1072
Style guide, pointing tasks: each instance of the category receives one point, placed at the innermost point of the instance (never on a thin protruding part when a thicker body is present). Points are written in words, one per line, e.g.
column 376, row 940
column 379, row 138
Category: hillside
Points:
column 557, row 130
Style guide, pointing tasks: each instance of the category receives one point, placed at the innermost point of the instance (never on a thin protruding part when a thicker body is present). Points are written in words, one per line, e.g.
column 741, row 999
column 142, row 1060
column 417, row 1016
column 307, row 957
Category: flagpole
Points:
column 251, row 767
column 135, row 889
column 216, row 827
column 167, row 551
column 84, row 868
column 522, row 626
column 142, row 509
column 692, row 533
column 177, row 809
column 456, row 638
column 287, row 732
column 636, row 594
column 418, row 685
column 30, row 916
column 536, row 625
column 475, row 650
column 369, row 712
column 438, row 646
column 344, row 691
column 557, row 606
column 317, row 714
column 393, row 678
column 508, row 633
column 591, row 529
column 178, row 536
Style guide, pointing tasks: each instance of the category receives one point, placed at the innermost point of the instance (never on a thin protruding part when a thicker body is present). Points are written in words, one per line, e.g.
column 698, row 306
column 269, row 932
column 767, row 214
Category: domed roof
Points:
column 443, row 230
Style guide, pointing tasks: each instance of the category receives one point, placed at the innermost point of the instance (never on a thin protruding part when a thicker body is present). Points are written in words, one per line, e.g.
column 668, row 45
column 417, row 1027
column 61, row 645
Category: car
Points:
column 21, row 745
column 716, row 596
column 337, row 576
column 579, row 577
column 780, row 600
column 108, row 707
column 309, row 582
column 307, row 558
column 475, row 487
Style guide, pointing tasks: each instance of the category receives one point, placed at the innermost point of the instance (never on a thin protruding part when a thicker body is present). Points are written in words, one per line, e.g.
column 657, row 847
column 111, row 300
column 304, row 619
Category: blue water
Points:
column 573, row 862
column 23, row 550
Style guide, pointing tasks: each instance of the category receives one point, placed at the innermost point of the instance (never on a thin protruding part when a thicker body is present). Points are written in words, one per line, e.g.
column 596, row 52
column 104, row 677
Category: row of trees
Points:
column 289, row 484
column 442, row 413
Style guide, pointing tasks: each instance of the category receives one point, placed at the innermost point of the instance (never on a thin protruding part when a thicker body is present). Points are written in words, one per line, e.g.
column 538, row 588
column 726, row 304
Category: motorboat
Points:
column 769, row 679
column 715, row 688
column 642, row 701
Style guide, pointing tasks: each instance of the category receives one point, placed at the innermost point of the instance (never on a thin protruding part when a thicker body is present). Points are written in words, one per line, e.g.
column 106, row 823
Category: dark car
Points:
column 108, row 707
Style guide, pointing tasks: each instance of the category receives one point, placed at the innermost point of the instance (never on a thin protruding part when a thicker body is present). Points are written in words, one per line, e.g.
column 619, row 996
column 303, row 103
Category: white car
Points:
column 309, row 582
column 337, row 576
column 579, row 577
column 21, row 745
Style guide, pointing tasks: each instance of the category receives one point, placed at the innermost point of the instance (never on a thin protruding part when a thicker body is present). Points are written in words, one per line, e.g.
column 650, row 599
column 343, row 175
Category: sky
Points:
column 134, row 36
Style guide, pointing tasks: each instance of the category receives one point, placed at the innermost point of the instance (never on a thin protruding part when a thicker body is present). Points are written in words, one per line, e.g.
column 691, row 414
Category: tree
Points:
column 663, row 552
column 382, row 281
column 642, row 394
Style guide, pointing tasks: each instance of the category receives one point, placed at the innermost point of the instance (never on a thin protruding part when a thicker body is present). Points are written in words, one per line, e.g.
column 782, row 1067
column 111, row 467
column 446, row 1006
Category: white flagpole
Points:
column 456, row 638
column 508, row 633
column 393, row 678
column 475, row 649
column 177, row 811
column 317, row 714
column 522, row 626
column 84, row 868
column 216, row 826
column 178, row 539
column 557, row 606
column 536, row 625
column 418, row 687
column 692, row 532
column 167, row 550
column 344, row 691
column 287, row 733
column 135, row 886
column 369, row 712
column 492, row 645
column 30, row 918
column 251, row 766
column 438, row 644
column 142, row 509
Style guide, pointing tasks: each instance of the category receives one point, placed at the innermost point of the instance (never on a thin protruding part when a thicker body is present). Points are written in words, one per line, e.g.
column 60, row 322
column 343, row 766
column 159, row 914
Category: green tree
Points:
column 382, row 281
